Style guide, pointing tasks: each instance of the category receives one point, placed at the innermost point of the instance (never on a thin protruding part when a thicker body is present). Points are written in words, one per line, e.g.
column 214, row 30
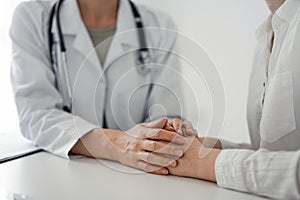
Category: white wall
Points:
column 8, row 116
column 225, row 28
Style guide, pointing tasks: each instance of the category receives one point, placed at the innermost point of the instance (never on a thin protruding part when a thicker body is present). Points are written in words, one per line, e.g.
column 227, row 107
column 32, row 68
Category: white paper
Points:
column 12, row 145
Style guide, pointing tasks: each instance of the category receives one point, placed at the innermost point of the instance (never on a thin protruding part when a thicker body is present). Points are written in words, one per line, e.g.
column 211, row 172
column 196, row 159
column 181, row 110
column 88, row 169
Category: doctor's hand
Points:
column 197, row 161
column 150, row 148
column 184, row 128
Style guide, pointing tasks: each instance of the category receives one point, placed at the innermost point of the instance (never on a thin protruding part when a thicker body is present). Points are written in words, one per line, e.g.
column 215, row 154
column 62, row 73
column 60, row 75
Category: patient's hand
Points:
column 184, row 128
column 197, row 161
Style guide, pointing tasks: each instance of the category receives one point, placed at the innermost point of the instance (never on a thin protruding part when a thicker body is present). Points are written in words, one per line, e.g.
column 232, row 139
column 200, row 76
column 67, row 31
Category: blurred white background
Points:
column 225, row 28
column 8, row 116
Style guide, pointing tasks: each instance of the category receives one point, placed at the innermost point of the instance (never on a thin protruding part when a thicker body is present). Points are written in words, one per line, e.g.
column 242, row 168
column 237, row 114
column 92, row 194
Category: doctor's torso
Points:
column 114, row 88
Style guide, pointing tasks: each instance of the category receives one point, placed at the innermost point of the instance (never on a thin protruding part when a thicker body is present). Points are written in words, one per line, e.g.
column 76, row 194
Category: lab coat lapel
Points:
column 83, row 44
column 126, row 37
column 72, row 24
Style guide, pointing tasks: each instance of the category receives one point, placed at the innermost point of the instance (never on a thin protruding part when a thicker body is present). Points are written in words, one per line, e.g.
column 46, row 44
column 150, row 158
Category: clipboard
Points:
column 13, row 146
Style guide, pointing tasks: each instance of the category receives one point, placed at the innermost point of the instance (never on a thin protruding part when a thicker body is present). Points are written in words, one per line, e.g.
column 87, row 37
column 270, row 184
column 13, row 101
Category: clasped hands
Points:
column 163, row 148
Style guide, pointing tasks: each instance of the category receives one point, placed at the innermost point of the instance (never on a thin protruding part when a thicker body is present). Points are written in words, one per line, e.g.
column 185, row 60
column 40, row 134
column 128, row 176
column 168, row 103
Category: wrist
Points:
column 206, row 169
column 112, row 147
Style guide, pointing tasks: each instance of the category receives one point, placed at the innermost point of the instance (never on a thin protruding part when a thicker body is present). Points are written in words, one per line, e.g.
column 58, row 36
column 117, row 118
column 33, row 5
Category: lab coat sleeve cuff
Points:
column 81, row 129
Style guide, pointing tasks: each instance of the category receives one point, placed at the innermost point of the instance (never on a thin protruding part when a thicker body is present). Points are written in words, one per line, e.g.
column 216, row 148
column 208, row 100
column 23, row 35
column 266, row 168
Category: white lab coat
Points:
column 116, row 88
column 272, row 167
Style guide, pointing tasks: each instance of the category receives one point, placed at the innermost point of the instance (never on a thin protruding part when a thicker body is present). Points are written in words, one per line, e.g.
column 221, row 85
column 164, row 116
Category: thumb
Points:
column 159, row 124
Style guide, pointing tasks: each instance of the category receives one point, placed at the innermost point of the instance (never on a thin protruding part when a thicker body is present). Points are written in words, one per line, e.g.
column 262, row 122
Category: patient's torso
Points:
column 274, row 90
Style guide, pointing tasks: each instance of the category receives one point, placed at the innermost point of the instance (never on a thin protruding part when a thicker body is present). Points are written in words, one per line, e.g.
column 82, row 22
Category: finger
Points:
column 183, row 130
column 152, row 168
column 164, row 135
column 159, row 124
column 154, row 159
column 161, row 148
column 177, row 124
column 189, row 130
column 169, row 127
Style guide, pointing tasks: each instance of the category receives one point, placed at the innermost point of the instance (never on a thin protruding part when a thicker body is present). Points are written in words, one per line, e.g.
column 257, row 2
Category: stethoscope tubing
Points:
column 55, row 13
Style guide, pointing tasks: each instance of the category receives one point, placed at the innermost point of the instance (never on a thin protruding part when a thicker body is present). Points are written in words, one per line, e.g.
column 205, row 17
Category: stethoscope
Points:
column 143, row 51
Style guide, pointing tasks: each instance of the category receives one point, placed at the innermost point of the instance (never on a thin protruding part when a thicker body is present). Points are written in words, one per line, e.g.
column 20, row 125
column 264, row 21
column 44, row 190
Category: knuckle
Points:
column 171, row 135
column 176, row 124
column 147, row 157
column 150, row 158
column 158, row 134
column 174, row 120
column 136, row 145
column 154, row 146
column 139, row 156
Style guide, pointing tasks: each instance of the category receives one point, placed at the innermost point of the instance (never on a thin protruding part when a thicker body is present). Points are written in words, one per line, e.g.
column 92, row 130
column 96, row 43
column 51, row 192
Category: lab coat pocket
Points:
column 278, row 118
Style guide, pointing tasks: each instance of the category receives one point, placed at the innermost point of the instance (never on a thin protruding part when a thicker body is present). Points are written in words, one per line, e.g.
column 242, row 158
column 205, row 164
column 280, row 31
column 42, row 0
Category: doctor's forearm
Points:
column 141, row 147
column 99, row 143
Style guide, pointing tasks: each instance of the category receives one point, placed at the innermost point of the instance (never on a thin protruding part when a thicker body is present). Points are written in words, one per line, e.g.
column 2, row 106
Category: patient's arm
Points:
column 223, row 144
column 262, row 172
column 211, row 142
column 197, row 161
column 275, row 174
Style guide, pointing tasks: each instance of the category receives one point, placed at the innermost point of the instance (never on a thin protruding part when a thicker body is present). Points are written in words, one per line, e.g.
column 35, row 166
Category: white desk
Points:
column 46, row 177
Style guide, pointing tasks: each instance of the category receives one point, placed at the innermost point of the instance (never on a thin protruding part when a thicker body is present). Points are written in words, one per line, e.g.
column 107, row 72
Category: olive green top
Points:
column 101, row 39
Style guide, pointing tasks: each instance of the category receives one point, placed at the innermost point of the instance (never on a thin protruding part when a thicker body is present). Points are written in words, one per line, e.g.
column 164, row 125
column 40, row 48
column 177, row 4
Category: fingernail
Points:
column 164, row 171
column 178, row 153
column 190, row 132
column 180, row 140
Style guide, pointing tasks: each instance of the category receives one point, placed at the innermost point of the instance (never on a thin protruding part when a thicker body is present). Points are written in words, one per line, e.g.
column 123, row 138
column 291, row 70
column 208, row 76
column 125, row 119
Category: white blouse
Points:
column 270, row 166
